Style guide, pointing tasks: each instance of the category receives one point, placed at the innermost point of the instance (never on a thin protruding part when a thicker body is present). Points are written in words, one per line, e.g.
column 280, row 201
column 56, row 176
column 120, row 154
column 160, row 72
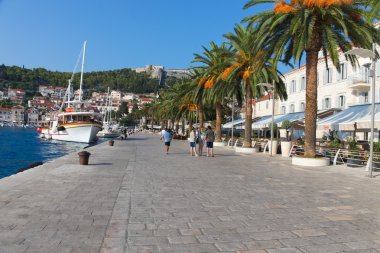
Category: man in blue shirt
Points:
column 167, row 137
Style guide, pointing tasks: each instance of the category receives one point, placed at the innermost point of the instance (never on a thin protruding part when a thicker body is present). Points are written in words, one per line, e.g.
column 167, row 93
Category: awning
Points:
column 295, row 116
column 235, row 122
column 364, row 122
column 264, row 121
column 240, row 123
column 345, row 120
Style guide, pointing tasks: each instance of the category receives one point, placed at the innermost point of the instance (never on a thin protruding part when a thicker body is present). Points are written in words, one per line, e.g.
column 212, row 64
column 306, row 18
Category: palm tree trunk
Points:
column 200, row 114
column 218, row 125
column 248, row 115
column 190, row 127
column 311, row 102
column 176, row 128
column 151, row 123
column 183, row 127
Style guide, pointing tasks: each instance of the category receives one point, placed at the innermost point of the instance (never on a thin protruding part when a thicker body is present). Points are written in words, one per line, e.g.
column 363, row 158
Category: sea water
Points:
column 20, row 147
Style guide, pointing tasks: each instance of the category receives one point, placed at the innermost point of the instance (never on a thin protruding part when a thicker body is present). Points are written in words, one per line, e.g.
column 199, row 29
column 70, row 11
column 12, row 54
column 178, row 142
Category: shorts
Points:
column 167, row 143
column 192, row 144
column 210, row 144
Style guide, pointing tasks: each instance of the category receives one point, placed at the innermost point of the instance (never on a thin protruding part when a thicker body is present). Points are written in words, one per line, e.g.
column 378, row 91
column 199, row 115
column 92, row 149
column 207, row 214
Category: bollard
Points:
column 83, row 157
column 111, row 142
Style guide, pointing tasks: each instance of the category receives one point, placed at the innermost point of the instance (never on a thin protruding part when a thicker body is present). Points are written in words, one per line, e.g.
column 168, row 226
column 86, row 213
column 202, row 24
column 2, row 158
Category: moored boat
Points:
column 76, row 123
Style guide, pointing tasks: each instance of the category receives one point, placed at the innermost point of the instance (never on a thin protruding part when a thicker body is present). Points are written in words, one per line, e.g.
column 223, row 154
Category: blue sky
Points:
column 120, row 33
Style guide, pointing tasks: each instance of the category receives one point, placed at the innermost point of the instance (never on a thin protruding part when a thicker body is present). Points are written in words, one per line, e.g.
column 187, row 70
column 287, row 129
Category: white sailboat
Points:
column 108, row 131
column 74, row 123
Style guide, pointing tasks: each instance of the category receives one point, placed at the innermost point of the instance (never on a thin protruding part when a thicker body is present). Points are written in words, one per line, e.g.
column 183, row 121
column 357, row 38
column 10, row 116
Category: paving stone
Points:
column 230, row 246
column 266, row 244
column 284, row 250
column 190, row 231
column 326, row 248
column 308, row 232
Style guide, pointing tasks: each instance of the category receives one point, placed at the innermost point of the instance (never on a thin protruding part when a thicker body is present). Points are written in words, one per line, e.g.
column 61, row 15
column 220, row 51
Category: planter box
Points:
column 355, row 162
column 285, row 148
column 220, row 144
column 310, row 162
column 245, row 150
column 275, row 144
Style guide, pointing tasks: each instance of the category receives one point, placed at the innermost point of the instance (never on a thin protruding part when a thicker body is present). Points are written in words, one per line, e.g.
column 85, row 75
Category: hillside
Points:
column 125, row 80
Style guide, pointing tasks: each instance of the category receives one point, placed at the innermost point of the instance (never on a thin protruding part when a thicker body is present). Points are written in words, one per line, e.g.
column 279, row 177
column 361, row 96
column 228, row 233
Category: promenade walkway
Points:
column 134, row 198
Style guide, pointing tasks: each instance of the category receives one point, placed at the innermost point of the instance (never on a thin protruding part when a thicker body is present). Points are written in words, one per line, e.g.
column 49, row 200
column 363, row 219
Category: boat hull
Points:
column 84, row 133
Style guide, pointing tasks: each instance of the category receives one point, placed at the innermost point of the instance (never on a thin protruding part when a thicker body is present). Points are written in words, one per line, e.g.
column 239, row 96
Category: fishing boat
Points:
column 74, row 121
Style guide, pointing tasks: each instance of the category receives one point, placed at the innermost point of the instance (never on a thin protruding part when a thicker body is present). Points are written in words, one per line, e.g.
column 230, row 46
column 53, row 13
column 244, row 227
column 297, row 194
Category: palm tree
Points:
column 215, row 60
column 250, row 67
column 375, row 10
column 309, row 26
column 176, row 101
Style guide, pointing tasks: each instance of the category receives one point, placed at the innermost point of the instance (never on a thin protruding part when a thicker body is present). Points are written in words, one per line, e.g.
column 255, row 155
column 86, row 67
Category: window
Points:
column 293, row 86
column 302, row 107
column 303, row 83
column 366, row 73
column 366, row 135
column 283, row 109
column 291, row 108
column 364, row 97
column 328, row 76
column 342, row 74
column 317, row 78
column 341, row 102
column 326, row 104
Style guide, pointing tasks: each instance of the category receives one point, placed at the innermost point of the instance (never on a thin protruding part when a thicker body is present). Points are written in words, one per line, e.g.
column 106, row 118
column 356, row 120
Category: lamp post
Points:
column 232, row 129
column 366, row 53
column 268, row 85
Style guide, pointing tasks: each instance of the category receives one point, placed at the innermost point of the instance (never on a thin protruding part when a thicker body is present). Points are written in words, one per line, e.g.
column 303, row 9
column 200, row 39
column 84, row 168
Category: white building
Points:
column 115, row 95
column 153, row 71
column 336, row 89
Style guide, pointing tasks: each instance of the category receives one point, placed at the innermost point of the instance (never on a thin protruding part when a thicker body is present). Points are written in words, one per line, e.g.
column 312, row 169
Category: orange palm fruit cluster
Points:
column 202, row 80
column 283, row 7
column 210, row 82
column 246, row 73
column 226, row 72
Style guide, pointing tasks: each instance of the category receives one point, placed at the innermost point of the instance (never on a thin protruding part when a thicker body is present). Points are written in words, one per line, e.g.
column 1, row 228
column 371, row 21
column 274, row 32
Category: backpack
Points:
column 197, row 140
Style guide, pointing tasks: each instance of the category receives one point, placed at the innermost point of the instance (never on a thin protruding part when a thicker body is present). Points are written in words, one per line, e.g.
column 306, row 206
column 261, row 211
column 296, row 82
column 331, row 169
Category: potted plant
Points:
column 376, row 155
column 286, row 144
column 334, row 144
column 354, row 158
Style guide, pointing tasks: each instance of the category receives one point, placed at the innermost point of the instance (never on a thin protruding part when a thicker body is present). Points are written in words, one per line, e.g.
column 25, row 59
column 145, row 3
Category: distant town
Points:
column 17, row 109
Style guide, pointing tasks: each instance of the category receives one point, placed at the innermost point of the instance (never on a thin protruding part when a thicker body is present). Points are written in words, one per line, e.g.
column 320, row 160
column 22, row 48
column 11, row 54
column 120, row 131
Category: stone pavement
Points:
column 134, row 198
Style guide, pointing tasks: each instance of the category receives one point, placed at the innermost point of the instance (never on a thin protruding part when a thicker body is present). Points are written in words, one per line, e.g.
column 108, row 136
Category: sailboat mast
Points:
column 81, row 74
column 109, row 109
column 106, row 110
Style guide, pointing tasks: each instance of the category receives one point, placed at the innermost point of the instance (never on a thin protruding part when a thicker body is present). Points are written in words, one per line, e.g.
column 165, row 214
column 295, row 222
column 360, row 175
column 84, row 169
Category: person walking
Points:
column 162, row 133
column 193, row 150
column 167, row 137
column 201, row 140
column 210, row 137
